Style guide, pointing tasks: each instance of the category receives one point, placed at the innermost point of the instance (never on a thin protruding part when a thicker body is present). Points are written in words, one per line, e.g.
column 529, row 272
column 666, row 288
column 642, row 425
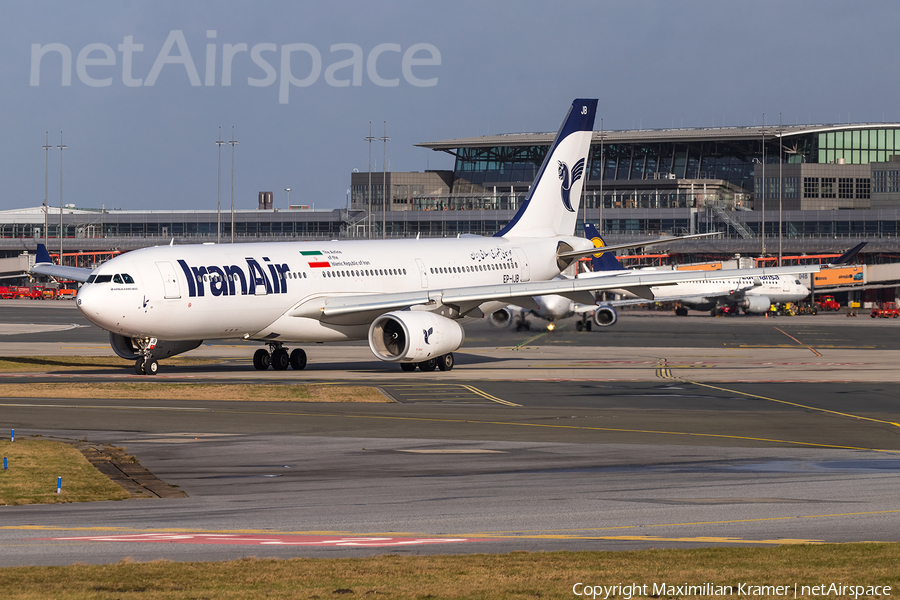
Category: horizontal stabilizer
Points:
column 663, row 240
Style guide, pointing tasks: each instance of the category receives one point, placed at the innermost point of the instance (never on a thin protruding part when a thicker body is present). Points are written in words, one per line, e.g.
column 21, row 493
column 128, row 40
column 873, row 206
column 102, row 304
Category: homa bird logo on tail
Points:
column 566, row 186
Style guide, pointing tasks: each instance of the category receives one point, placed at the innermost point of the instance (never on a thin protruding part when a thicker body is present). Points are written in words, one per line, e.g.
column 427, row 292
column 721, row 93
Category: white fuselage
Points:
column 270, row 291
column 777, row 288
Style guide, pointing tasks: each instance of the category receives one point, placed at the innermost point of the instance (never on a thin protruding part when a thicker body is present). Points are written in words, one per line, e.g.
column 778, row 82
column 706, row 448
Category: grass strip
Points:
column 195, row 391
column 33, row 468
column 515, row 575
column 49, row 364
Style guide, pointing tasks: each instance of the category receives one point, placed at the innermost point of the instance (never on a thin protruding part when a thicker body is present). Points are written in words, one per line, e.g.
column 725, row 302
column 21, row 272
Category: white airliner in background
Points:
column 745, row 289
column 405, row 297
column 749, row 293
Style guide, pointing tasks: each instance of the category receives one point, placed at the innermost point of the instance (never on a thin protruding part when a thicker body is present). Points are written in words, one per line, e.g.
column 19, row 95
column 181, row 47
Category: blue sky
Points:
column 472, row 68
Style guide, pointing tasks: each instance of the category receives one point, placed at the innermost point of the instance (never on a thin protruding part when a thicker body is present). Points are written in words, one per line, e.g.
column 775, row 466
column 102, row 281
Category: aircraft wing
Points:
column 73, row 273
column 466, row 299
column 44, row 266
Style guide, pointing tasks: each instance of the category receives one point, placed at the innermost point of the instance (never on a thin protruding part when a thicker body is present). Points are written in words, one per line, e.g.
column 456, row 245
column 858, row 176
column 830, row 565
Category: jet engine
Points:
column 755, row 304
column 605, row 316
column 502, row 319
column 413, row 336
column 124, row 347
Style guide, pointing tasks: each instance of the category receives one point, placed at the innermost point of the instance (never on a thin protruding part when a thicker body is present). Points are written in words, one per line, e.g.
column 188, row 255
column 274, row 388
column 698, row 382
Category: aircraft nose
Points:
column 89, row 303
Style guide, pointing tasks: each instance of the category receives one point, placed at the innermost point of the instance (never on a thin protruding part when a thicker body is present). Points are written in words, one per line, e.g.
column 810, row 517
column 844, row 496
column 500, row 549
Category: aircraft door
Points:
column 524, row 269
column 170, row 281
column 785, row 283
column 423, row 273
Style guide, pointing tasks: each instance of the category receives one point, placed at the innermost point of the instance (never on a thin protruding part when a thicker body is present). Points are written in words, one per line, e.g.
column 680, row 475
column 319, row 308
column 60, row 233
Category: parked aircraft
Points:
column 744, row 289
column 406, row 297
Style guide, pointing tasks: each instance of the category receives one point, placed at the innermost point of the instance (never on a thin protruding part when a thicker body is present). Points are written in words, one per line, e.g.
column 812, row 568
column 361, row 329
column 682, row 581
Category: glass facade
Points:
column 858, row 146
column 886, row 182
column 731, row 160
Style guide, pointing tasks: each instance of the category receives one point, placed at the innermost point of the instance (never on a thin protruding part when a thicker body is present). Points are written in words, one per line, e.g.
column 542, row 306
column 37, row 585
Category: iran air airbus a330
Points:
column 406, row 297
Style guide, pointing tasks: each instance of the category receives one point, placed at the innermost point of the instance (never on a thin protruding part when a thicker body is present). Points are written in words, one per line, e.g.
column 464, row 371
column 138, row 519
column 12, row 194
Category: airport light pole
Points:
column 780, row 187
column 47, row 147
column 61, row 148
column 233, row 143
column 762, row 229
column 602, row 168
column 384, row 185
column 369, row 139
column 288, row 190
column 219, row 144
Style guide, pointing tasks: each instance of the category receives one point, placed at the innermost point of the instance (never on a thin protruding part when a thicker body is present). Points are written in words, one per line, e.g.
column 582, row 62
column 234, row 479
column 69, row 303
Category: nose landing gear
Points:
column 145, row 364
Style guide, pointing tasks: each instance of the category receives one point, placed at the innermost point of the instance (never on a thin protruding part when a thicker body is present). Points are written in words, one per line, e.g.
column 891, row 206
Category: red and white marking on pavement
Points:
column 261, row 540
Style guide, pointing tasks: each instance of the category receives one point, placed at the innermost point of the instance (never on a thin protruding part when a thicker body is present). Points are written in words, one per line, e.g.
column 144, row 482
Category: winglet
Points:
column 605, row 261
column 42, row 256
column 849, row 255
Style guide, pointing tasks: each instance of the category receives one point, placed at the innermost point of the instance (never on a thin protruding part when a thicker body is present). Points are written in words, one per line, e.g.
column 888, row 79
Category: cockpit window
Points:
column 797, row 281
column 127, row 278
column 103, row 279
column 117, row 278
column 91, row 278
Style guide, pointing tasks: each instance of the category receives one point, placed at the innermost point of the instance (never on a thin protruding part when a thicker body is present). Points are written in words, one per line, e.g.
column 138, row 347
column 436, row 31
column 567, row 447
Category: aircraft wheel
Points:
column 280, row 359
column 407, row 367
column 579, row 326
column 151, row 367
column 261, row 359
column 446, row 362
column 298, row 359
column 587, row 325
column 428, row 365
column 139, row 366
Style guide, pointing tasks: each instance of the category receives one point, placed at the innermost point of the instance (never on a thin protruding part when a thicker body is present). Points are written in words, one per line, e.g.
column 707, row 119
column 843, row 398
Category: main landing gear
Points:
column 583, row 325
column 279, row 359
column 444, row 363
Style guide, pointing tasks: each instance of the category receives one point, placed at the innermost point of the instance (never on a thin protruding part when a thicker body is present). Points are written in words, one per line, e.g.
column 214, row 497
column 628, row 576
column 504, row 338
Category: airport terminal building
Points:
column 826, row 184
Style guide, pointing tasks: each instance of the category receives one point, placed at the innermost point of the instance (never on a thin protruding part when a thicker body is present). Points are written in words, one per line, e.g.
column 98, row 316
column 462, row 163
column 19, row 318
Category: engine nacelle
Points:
column 124, row 347
column 413, row 336
column 502, row 319
column 605, row 316
column 755, row 304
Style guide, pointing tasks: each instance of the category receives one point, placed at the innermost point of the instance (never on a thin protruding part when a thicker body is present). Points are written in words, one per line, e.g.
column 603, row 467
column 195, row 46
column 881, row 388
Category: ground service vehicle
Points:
column 828, row 303
column 787, row 309
column 887, row 310
column 807, row 308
